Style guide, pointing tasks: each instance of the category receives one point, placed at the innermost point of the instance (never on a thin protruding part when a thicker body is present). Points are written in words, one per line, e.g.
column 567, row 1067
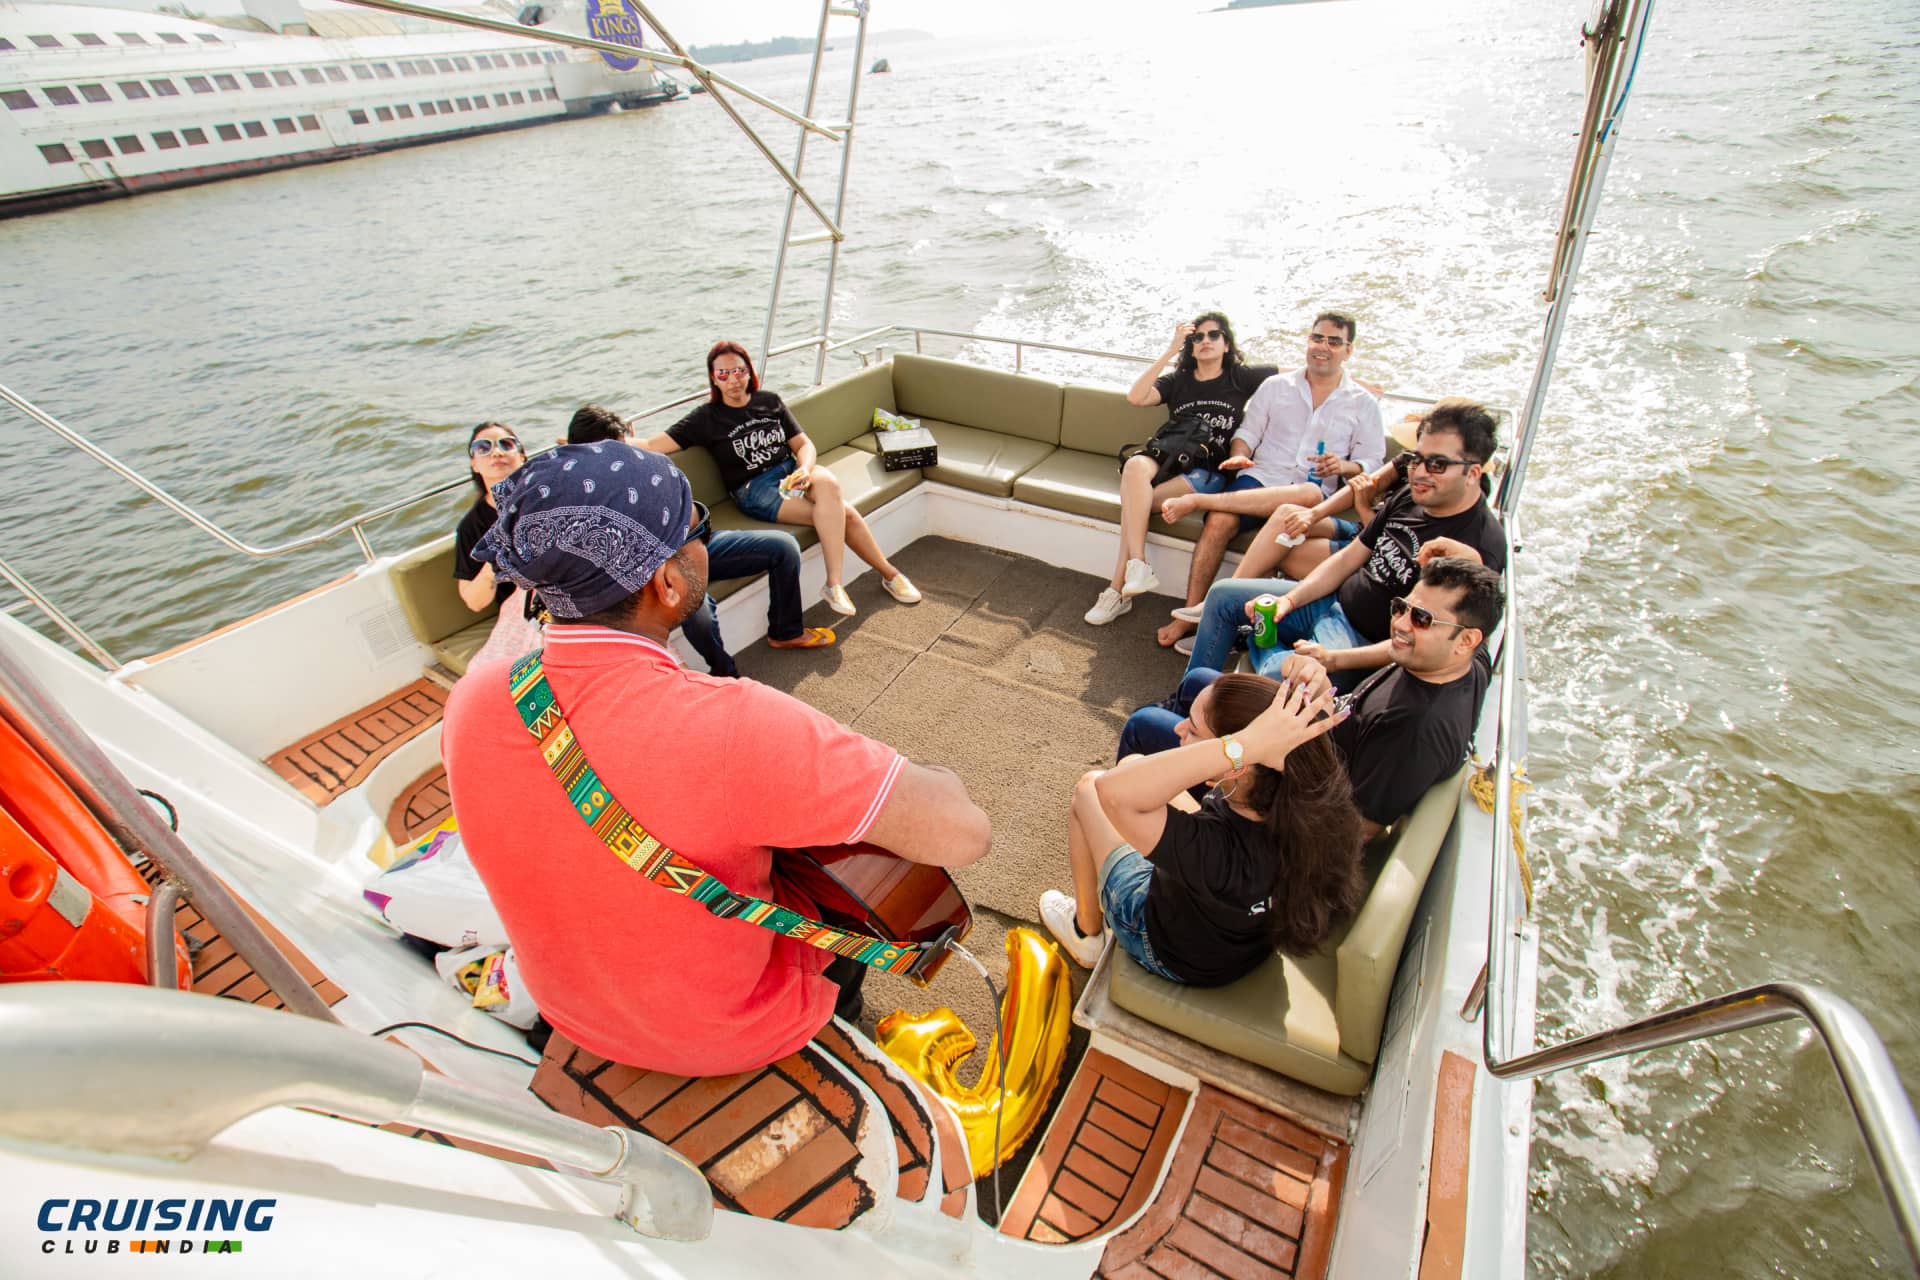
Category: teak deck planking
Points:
column 324, row 764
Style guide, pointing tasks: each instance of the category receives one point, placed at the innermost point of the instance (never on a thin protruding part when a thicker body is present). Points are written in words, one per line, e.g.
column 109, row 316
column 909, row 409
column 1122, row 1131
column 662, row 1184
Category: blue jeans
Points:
column 1124, row 878
column 734, row 554
column 1154, row 729
column 760, row 496
column 1225, row 612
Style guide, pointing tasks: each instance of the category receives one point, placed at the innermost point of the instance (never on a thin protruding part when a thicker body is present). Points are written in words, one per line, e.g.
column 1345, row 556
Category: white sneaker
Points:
column 1191, row 612
column 1184, row 646
column 1109, row 606
column 1140, row 579
column 837, row 600
column 900, row 589
column 1057, row 912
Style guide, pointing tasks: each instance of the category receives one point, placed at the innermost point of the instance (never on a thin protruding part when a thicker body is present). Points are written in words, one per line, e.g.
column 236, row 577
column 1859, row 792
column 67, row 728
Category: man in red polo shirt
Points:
column 720, row 770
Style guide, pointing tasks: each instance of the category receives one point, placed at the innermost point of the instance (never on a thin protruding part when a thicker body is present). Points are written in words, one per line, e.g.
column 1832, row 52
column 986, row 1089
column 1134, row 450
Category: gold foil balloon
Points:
column 1036, row 1014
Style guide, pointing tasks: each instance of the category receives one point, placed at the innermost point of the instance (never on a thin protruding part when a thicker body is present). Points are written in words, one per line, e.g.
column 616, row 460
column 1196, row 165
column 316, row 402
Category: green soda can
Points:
column 1266, row 621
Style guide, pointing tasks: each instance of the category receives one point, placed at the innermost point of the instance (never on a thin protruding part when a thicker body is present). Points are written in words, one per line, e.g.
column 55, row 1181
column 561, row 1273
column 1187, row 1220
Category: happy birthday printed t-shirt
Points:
column 743, row 441
column 718, row 770
column 1393, row 539
column 1220, row 402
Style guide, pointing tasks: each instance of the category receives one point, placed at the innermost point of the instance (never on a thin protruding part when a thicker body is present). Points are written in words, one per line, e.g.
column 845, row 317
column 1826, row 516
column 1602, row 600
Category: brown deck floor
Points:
column 324, row 764
column 1250, row 1196
column 424, row 805
column 218, row 970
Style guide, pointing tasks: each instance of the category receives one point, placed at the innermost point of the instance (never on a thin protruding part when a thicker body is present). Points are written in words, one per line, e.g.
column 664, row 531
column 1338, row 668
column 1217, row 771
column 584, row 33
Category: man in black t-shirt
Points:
column 1343, row 603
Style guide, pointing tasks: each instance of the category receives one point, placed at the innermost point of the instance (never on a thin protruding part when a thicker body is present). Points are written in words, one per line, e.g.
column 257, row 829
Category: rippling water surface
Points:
column 1721, row 571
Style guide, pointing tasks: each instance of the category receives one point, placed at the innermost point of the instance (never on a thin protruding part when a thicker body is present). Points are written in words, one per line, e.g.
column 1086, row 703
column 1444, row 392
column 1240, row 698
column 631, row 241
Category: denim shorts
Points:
column 1206, row 480
column 760, row 496
column 1124, row 878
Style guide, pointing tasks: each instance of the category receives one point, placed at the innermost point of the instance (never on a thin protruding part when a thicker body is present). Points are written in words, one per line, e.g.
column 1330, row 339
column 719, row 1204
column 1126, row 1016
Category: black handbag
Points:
column 1180, row 446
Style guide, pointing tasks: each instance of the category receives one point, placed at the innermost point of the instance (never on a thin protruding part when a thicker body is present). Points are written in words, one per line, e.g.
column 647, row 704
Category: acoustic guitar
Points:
column 864, row 888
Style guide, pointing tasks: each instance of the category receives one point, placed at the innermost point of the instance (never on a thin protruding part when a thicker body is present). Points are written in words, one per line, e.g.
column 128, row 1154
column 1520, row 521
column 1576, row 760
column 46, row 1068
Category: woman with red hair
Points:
column 770, row 468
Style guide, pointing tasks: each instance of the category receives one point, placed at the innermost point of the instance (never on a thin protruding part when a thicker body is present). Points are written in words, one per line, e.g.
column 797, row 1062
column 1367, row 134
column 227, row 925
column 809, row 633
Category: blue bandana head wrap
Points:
column 587, row 525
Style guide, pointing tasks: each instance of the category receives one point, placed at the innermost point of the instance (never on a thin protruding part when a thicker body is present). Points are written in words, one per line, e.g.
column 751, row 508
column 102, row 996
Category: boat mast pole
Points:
column 1623, row 24
column 799, row 171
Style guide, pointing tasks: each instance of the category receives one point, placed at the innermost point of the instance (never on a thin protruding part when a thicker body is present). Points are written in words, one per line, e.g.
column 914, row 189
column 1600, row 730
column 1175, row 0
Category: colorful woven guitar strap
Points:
column 629, row 841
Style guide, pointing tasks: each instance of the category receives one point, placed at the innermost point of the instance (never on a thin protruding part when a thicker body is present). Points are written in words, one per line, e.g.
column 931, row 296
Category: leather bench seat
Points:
column 438, row 617
column 1088, row 484
column 454, row 652
column 971, row 458
column 1317, row 1018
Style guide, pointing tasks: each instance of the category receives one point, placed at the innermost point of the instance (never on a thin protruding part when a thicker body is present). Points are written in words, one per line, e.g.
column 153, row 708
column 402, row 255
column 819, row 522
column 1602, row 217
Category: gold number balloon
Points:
column 1036, row 1016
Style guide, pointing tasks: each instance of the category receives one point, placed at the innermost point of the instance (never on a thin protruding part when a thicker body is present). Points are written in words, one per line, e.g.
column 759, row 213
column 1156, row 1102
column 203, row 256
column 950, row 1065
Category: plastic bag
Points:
column 884, row 421
column 434, row 893
column 492, row 977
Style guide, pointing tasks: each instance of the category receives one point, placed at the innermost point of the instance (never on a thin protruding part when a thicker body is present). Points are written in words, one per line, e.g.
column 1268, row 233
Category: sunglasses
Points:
column 1421, row 619
column 702, row 531
column 1322, row 340
column 1436, row 464
column 723, row 374
column 1208, row 335
column 505, row 444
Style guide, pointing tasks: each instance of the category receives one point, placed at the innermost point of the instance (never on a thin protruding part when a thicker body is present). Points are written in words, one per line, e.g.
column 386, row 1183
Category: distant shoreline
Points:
column 779, row 46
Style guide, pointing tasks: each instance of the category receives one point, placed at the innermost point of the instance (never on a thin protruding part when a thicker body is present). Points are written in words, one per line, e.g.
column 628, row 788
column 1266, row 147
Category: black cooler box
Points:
column 905, row 450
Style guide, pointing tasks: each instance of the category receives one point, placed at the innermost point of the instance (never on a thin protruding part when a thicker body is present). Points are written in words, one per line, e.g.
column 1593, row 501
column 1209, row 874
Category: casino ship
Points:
column 102, row 103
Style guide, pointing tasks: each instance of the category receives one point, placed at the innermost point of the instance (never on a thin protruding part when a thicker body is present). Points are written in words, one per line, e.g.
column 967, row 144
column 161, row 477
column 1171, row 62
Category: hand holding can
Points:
column 1266, row 621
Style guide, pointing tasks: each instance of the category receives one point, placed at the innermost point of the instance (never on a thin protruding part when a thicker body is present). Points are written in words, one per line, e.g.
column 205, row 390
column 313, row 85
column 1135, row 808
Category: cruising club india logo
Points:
column 616, row 22
column 148, row 1226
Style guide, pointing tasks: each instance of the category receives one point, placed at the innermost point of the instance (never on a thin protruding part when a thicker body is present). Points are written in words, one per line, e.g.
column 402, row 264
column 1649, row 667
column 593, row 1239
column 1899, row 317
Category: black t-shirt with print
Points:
column 1405, row 734
column 1220, row 402
column 743, row 441
column 1400, row 527
column 1207, row 904
column 473, row 527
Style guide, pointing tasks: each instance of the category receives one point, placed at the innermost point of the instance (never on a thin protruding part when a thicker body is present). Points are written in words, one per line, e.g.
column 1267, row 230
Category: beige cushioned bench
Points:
column 1318, row 1018
column 439, row 617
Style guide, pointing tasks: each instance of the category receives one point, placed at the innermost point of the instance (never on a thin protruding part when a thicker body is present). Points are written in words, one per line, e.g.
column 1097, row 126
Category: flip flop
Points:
column 810, row 638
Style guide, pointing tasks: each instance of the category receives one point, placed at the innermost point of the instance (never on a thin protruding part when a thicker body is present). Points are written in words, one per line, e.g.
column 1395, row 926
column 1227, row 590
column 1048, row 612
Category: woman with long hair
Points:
column 1210, row 381
column 1269, row 861
column 493, row 454
column 771, row 469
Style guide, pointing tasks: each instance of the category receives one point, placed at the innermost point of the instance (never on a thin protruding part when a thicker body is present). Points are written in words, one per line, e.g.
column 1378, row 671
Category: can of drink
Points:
column 1266, row 621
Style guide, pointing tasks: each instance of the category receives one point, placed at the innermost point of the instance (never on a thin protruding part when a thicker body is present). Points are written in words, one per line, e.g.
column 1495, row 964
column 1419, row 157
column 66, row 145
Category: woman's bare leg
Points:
column 1090, row 838
column 1138, row 495
column 822, row 509
column 861, row 542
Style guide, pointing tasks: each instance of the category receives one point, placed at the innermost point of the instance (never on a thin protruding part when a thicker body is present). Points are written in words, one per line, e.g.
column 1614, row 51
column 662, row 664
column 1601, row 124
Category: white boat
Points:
column 100, row 103
column 1365, row 1113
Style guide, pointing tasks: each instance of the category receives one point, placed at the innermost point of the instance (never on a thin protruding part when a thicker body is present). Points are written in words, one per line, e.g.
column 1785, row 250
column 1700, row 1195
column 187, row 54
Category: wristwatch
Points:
column 1236, row 753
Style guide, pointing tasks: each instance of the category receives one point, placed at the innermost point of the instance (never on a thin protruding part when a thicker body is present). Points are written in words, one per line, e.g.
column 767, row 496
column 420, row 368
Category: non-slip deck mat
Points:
column 1249, row 1196
column 1102, row 1157
column 324, row 764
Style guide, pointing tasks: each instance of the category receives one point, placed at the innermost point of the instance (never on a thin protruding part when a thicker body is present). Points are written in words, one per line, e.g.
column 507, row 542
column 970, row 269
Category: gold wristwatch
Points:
column 1236, row 753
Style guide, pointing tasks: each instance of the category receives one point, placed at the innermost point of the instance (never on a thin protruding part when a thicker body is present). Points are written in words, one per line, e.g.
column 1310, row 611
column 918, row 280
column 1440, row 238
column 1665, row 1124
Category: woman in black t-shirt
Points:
column 493, row 454
column 770, row 468
column 1270, row 861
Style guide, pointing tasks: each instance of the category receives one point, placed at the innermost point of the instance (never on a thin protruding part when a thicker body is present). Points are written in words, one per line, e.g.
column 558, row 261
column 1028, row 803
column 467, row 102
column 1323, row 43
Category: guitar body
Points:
column 867, row 889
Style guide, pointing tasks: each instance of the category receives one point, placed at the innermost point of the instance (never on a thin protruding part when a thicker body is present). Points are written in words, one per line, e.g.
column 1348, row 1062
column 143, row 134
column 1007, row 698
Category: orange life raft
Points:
column 71, row 905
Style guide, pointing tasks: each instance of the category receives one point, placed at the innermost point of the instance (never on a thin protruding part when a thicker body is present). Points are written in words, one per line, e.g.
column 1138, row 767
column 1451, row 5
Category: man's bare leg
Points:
column 1208, row 552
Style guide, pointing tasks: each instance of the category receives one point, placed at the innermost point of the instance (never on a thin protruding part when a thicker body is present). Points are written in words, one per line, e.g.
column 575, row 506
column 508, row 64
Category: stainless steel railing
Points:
column 87, row 1061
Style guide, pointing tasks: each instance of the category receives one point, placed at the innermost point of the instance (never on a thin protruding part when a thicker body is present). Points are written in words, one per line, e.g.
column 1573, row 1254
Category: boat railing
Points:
column 87, row 1060
column 1873, row 1088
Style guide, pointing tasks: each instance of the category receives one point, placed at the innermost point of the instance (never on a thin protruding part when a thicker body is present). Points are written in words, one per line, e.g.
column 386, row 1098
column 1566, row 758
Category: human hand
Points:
column 1281, row 612
column 1307, row 665
column 799, row 480
column 1235, row 463
column 1316, row 652
column 1181, row 332
column 1295, row 521
column 1295, row 716
column 1437, row 547
column 1327, row 465
column 1363, row 487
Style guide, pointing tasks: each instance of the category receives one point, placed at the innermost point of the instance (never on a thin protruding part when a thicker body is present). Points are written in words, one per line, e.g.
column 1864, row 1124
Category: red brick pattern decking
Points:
column 324, row 764
column 1102, row 1156
column 1250, row 1196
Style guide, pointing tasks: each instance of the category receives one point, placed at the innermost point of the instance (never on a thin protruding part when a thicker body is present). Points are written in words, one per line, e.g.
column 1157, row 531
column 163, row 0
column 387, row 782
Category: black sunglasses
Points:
column 1323, row 340
column 1208, row 335
column 1420, row 618
column 702, row 531
column 1436, row 464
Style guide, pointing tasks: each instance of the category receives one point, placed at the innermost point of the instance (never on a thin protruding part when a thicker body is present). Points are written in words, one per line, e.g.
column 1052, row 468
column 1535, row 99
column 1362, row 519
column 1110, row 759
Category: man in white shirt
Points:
column 1304, row 435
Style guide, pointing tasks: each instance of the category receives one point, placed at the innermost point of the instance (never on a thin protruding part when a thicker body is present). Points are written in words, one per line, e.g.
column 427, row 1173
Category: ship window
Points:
column 60, row 95
column 553, row 94
column 55, row 153
column 285, row 125
column 336, row 74
column 226, row 81
column 131, row 37
column 165, row 88
column 18, row 100
column 199, row 84
column 129, row 145
column 258, row 79
column 465, row 104
column 383, row 113
column 195, row 137
column 283, row 78
column 443, row 64
column 446, row 107
column 88, row 39
column 425, row 66
column 254, row 128
column 462, row 64
column 357, row 116
column 313, row 75
column 499, row 99
column 227, row 132
column 518, row 98
column 96, row 149
column 6, row 44
column 404, row 111
column 361, row 71
column 166, row 141
column 46, row 42
column 132, row 89
column 172, row 37
column 406, row 69
column 206, row 37
column 480, row 102
column 428, row 109
column 309, row 124
column 482, row 61
column 382, row 70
